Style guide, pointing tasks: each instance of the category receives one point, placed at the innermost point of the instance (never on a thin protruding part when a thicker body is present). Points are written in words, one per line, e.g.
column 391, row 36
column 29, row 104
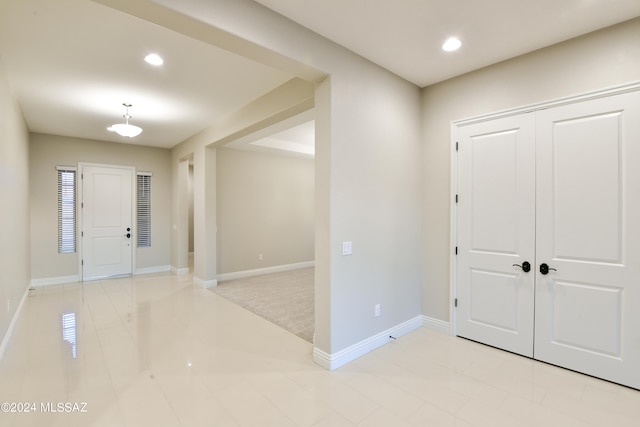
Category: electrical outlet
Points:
column 376, row 310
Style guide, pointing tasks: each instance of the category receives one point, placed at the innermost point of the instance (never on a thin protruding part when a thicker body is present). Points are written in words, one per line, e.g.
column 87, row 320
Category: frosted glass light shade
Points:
column 126, row 130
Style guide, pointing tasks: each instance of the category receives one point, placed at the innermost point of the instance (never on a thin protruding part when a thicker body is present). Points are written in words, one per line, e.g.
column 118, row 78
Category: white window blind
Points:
column 66, row 209
column 144, row 210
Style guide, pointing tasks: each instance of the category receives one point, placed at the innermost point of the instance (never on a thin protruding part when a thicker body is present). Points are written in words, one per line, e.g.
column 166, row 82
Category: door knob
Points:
column 526, row 267
column 544, row 268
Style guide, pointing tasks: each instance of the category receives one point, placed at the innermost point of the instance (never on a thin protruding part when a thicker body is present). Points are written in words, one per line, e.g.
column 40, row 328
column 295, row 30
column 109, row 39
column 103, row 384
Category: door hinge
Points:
column 456, row 198
column 456, row 250
column 81, row 205
column 456, row 145
column 455, row 302
column 82, row 234
column 81, row 262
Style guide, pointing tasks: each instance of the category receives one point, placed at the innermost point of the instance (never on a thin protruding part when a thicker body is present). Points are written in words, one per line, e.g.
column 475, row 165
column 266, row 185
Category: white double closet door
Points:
column 558, row 187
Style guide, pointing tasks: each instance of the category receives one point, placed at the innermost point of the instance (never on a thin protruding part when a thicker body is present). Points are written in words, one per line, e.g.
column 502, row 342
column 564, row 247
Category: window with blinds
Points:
column 144, row 210
column 66, row 209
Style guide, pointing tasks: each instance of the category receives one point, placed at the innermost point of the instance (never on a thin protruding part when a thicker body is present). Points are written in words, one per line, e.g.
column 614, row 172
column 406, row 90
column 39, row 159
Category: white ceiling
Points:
column 406, row 36
column 72, row 63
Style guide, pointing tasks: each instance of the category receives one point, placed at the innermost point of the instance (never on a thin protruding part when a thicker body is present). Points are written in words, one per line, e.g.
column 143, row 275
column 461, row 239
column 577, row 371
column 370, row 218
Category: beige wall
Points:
column 14, row 205
column 372, row 171
column 599, row 60
column 49, row 151
column 265, row 206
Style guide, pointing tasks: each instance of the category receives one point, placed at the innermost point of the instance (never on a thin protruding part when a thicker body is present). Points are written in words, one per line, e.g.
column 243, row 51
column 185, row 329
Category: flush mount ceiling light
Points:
column 154, row 59
column 451, row 44
column 125, row 129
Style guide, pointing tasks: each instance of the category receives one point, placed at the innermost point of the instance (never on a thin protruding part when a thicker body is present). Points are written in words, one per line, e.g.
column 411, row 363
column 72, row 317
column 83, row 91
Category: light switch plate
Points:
column 347, row 248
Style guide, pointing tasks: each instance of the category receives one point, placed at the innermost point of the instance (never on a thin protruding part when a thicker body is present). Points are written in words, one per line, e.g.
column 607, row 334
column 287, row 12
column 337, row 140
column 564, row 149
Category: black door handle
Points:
column 544, row 268
column 526, row 267
column 128, row 235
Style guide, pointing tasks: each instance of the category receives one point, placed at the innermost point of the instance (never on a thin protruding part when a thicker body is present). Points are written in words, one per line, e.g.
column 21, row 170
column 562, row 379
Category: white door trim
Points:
column 615, row 90
column 134, row 219
column 572, row 99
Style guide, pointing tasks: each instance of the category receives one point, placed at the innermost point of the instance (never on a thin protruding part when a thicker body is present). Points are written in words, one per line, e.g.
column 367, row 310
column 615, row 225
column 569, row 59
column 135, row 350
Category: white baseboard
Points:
column 335, row 360
column 152, row 270
column 207, row 284
column 180, row 271
column 266, row 270
column 60, row 280
column 12, row 324
column 437, row 325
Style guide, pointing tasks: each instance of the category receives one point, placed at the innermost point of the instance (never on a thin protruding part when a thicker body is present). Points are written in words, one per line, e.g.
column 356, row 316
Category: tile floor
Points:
column 158, row 351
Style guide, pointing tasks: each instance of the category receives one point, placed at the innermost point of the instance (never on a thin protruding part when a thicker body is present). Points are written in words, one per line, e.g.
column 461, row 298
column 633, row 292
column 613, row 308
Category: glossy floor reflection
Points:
column 158, row 351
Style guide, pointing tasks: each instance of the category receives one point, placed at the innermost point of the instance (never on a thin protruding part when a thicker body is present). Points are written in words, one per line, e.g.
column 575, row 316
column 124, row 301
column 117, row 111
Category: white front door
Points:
column 588, row 228
column 496, row 208
column 106, row 221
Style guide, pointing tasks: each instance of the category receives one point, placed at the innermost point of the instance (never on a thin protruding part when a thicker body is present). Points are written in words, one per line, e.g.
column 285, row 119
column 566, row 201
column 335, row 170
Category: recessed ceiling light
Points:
column 154, row 59
column 451, row 44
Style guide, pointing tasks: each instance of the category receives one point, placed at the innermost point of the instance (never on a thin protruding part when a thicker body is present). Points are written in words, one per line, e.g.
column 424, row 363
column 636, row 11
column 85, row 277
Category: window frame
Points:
column 67, row 209
column 143, row 209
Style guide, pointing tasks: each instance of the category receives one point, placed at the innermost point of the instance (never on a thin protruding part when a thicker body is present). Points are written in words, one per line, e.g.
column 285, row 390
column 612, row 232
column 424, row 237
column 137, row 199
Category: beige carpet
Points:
column 286, row 299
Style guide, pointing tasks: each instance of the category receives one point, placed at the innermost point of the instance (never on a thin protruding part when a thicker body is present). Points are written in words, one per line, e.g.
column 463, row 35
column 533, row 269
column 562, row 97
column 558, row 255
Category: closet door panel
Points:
column 496, row 194
column 586, row 188
column 587, row 215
